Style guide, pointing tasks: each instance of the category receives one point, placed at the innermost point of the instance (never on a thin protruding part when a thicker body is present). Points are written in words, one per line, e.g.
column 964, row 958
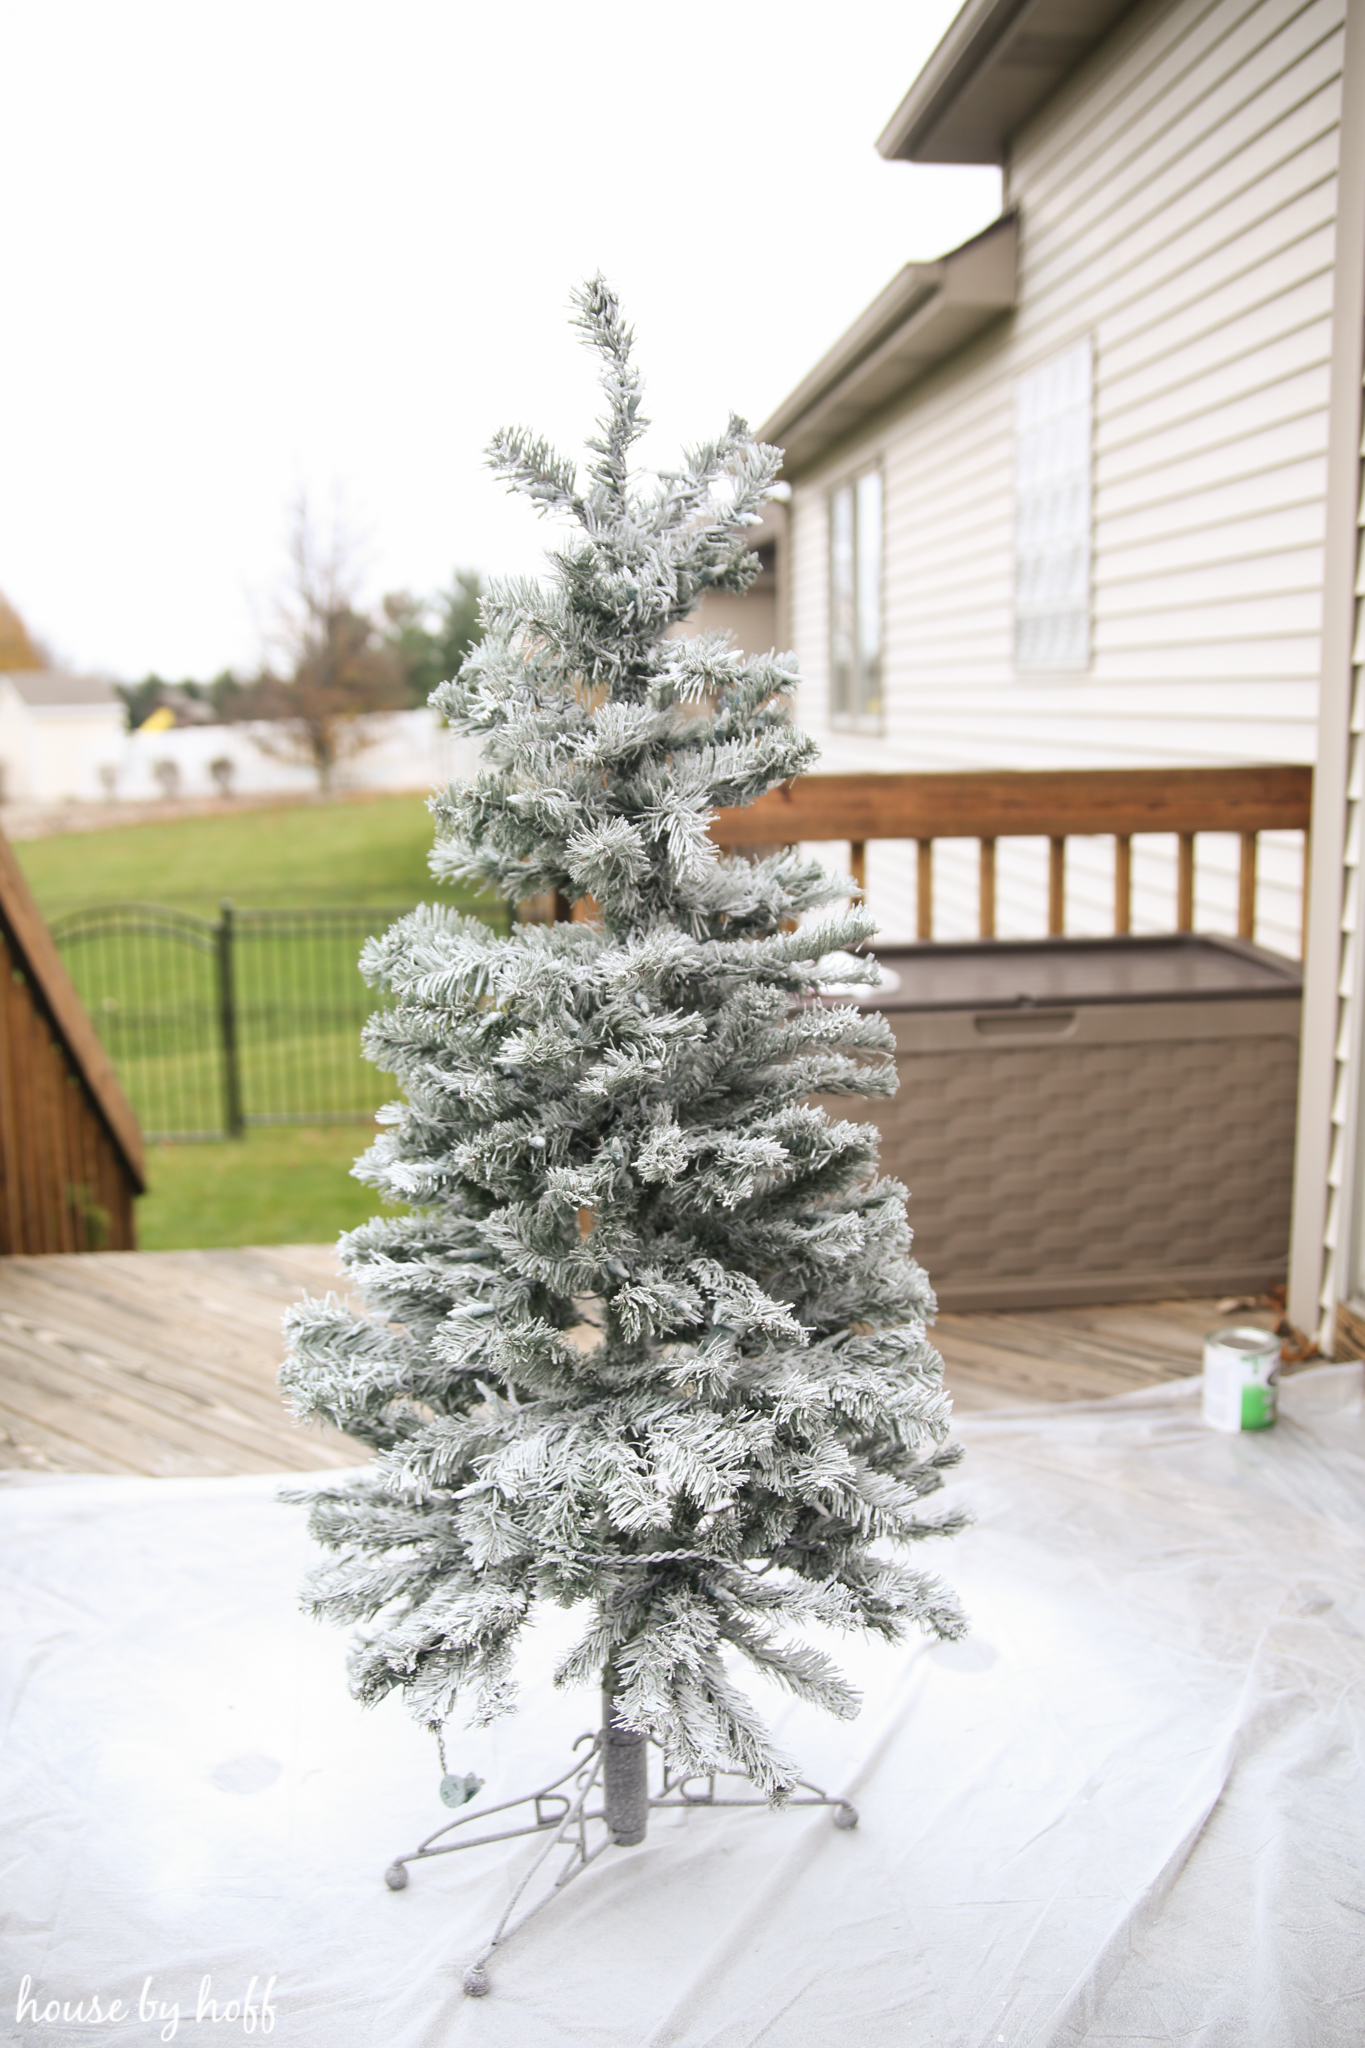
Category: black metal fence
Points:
column 213, row 1024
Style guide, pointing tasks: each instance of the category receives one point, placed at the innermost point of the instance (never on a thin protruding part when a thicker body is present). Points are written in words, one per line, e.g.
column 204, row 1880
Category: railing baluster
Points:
column 1184, row 883
column 1246, row 888
column 924, row 878
column 986, row 920
column 1123, row 883
column 857, row 863
column 1056, row 887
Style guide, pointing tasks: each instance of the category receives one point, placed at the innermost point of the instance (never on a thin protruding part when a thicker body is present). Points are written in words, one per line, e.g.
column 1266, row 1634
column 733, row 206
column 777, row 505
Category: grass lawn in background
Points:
column 348, row 850
column 284, row 1184
column 151, row 982
column 280, row 1184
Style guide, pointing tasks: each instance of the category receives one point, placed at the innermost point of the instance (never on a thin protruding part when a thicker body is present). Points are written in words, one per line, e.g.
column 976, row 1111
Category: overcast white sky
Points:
column 273, row 245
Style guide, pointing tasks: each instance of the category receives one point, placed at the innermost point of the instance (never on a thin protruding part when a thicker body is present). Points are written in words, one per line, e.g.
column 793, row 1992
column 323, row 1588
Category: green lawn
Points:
column 356, row 850
column 150, row 982
column 300, row 1001
column 284, row 1186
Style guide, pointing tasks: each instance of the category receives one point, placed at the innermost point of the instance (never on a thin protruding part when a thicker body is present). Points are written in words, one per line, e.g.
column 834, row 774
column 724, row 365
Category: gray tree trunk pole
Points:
column 625, row 1773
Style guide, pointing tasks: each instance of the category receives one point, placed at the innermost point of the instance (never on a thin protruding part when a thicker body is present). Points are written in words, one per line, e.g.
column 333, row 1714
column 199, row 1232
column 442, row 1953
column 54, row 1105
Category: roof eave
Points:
column 908, row 290
column 998, row 63
column 942, row 305
column 46, row 689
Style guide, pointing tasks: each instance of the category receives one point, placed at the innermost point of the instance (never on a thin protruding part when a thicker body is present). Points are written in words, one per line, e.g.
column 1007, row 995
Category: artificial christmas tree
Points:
column 650, row 1342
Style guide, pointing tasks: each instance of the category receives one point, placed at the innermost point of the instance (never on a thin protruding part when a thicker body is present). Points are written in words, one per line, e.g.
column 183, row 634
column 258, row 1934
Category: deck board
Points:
column 159, row 1363
column 164, row 1363
column 1076, row 1354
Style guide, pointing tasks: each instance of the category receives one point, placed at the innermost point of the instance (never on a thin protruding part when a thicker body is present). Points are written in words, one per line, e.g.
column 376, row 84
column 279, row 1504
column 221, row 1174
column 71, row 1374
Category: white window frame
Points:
column 1054, row 442
column 857, row 584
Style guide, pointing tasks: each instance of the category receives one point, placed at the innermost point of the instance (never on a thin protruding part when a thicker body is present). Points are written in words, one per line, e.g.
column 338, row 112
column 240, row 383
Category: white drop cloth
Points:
column 1129, row 1809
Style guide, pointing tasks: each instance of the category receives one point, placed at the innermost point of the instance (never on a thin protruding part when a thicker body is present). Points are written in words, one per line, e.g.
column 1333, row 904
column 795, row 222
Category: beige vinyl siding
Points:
column 1344, row 1266
column 1177, row 203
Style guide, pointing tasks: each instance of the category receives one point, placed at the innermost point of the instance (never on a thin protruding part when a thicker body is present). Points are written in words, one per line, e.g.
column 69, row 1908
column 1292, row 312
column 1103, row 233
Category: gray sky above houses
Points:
column 310, row 244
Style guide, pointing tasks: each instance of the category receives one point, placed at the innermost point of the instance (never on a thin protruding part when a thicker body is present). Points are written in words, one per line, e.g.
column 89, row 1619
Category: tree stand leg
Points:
column 602, row 1801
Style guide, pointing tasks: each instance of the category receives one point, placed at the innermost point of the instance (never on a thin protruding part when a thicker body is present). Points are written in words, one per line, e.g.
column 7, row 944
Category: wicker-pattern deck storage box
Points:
column 1092, row 1120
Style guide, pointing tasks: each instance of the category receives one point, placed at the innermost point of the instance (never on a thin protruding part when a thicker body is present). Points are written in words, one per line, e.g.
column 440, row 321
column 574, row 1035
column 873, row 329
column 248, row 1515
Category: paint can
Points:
column 1241, row 1378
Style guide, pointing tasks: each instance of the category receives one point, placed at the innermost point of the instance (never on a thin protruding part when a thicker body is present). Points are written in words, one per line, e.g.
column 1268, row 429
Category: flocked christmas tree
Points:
column 650, row 1342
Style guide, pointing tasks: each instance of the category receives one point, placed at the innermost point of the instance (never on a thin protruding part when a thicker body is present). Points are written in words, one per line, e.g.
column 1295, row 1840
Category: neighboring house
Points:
column 398, row 750
column 64, row 739
column 61, row 736
column 1058, row 498
column 176, row 707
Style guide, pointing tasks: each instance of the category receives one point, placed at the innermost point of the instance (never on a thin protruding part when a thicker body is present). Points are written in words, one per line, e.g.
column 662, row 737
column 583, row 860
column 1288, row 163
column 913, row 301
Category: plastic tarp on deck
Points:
column 1130, row 1808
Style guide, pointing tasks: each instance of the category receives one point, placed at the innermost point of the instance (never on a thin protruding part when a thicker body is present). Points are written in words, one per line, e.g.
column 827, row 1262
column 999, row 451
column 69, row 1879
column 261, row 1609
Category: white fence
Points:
column 92, row 760
column 396, row 750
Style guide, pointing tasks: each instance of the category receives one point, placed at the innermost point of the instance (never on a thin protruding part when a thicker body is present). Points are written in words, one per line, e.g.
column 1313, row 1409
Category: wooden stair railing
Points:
column 1053, row 804
column 71, row 1159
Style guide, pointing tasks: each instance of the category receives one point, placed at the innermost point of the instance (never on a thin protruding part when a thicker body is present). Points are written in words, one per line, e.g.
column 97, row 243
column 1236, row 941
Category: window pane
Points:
column 1053, row 435
column 869, row 577
column 842, row 619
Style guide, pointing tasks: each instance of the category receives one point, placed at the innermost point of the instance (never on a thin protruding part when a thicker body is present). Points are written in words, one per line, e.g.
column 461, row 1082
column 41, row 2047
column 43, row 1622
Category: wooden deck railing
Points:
column 71, row 1160
column 1056, row 805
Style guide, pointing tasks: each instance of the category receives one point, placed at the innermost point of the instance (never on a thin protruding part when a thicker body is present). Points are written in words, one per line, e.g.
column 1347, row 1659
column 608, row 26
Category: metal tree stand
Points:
column 616, row 1766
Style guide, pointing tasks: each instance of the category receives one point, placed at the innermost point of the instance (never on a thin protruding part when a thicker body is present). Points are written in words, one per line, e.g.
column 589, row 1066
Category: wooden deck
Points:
column 163, row 1363
column 160, row 1363
column 1077, row 1354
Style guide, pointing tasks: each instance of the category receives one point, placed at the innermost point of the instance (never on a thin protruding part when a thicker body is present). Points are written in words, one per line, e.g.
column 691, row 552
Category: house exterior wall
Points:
column 69, row 745
column 753, row 620
column 15, row 778
column 1337, row 1046
column 51, row 752
column 1177, row 202
column 750, row 620
column 1327, row 1248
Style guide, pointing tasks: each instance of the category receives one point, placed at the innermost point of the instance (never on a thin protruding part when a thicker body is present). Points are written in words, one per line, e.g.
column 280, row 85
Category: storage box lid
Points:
column 1010, row 974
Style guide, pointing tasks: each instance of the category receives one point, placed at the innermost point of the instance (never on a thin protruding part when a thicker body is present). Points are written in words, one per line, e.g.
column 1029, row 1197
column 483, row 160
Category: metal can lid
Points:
column 1254, row 1343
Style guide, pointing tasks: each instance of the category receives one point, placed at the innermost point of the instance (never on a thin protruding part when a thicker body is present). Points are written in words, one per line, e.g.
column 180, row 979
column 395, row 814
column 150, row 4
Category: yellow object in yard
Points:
column 161, row 720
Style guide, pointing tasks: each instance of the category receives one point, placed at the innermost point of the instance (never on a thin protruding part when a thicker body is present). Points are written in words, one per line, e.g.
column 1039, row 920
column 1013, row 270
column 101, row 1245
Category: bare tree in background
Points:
column 330, row 660
column 331, row 663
